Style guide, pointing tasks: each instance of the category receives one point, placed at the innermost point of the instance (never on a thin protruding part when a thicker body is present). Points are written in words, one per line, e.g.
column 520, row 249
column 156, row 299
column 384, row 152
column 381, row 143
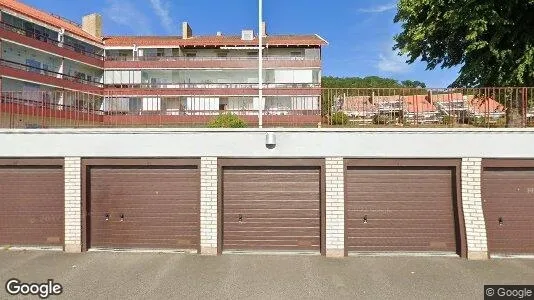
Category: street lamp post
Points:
column 260, row 63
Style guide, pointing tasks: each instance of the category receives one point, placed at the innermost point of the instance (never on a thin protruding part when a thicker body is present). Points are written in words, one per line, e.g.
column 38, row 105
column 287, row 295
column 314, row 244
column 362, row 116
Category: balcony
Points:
column 44, row 43
column 214, row 89
column 158, row 62
column 30, row 73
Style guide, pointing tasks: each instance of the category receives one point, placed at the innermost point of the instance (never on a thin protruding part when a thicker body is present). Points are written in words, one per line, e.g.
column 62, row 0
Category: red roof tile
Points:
column 486, row 106
column 200, row 41
column 47, row 18
column 213, row 41
column 419, row 104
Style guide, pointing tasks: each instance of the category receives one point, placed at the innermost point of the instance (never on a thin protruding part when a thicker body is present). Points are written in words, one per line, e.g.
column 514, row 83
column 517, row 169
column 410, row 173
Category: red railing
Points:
column 485, row 107
column 207, row 58
column 46, row 72
column 46, row 39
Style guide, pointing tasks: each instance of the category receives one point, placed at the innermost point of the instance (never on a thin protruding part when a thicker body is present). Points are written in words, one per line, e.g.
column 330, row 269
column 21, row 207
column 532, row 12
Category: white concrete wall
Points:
column 383, row 143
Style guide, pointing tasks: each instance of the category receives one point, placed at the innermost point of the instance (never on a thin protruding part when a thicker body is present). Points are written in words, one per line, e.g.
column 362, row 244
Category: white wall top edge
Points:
column 255, row 130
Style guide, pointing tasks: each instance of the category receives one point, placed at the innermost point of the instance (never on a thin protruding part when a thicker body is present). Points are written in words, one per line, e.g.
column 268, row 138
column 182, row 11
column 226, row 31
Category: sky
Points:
column 360, row 33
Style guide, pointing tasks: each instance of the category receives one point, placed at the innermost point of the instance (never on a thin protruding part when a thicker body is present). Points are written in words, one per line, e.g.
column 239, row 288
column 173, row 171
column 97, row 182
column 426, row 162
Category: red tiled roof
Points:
column 47, row 18
column 359, row 104
column 213, row 41
column 412, row 104
column 486, row 106
column 419, row 104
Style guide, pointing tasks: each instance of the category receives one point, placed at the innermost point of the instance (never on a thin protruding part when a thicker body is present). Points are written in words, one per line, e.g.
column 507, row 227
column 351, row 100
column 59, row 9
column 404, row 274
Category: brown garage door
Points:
column 508, row 196
column 400, row 209
column 31, row 206
column 271, row 209
column 144, row 207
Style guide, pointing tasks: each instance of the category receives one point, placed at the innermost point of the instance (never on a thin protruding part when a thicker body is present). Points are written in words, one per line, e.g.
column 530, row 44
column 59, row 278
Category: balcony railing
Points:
column 208, row 58
column 45, row 72
column 366, row 107
column 214, row 85
column 45, row 39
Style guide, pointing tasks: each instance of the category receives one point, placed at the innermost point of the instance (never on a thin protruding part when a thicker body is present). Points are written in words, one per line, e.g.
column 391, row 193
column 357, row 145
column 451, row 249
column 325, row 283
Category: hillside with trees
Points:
column 369, row 82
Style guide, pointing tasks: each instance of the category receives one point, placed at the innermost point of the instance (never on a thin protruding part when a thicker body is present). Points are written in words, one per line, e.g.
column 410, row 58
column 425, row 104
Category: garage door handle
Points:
column 240, row 218
column 365, row 219
column 122, row 217
column 107, row 217
column 500, row 221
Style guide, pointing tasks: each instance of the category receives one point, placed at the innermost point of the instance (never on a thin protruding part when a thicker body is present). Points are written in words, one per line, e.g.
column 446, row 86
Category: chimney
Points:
column 92, row 24
column 187, row 32
column 263, row 29
column 247, row 35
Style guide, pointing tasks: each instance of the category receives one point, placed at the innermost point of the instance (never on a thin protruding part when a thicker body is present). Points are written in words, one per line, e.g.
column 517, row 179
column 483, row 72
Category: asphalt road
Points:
column 108, row 275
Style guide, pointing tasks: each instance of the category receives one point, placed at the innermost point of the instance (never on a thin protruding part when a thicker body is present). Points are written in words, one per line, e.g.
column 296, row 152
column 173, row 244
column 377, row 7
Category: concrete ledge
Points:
column 477, row 255
column 335, row 253
column 73, row 248
column 260, row 130
column 208, row 251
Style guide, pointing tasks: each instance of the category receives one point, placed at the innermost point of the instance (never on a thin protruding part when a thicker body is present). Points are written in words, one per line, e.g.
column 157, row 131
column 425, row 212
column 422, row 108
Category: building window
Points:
column 252, row 53
column 191, row 54
column 222, row 54
column 33, row 66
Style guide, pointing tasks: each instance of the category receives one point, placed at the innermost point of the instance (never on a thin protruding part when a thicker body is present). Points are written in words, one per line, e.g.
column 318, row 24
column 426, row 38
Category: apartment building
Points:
column 48, row 60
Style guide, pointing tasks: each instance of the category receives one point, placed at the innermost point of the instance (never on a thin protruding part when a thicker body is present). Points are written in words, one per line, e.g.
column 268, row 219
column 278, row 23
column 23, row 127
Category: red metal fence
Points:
column 481, row 107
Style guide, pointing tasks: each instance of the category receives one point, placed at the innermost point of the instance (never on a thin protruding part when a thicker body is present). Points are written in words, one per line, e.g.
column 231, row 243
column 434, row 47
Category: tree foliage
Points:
column 368, row 82
column 493, row 40
column 413, row 84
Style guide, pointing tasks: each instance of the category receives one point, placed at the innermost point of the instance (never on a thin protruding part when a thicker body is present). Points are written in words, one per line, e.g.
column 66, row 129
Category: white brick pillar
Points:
column 335, row 207
column 73, row 205
column 208, row 205
column 475, row 226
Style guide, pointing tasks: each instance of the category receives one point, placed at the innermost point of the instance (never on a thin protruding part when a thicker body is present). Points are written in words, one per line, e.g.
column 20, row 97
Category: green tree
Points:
column 413, row 84
column 368, row 82
column 493, row 40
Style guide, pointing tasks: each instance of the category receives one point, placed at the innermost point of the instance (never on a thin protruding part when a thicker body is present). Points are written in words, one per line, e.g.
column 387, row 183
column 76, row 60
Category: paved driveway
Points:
column 106, row 275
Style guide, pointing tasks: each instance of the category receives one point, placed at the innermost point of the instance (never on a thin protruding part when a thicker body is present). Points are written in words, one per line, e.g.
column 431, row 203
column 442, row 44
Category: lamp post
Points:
column 260, row 63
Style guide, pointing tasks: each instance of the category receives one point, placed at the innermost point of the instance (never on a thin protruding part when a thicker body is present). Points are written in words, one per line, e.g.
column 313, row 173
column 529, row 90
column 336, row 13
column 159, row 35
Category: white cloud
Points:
column 390, row 62
column 126, row 14
column 161, row 9
column 379, row 8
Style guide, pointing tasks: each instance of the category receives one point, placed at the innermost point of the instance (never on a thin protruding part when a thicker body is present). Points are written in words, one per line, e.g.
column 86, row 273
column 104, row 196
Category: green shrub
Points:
column 449, row 120
column 227, row 121
column 382, row 120
column 340, row 118
column 478, row 121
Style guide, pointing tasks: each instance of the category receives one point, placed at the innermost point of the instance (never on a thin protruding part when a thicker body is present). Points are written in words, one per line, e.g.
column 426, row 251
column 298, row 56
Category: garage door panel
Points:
column 508, row 195
column 393, row 244
column 394, row 214
column 271, row 187
column 408, row 205
column 160, row 205
column 276, row 195
column 259, row 223
column 400, row 209
column 264, row 204
column 271, row 208
column 32, row 205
